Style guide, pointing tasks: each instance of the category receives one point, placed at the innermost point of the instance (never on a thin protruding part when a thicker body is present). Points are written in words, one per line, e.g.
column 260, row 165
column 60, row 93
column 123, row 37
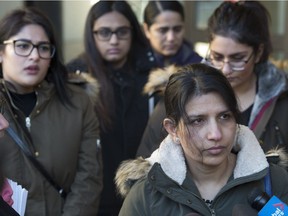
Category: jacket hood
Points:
column 87, row 82
column 158, row 79
column 268, row 74
column 169, row 153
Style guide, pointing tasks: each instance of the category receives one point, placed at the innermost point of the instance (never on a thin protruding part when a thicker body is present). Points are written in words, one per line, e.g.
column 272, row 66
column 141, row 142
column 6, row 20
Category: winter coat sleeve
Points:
column 154, row 132
column 136, row 203
column 84, row 197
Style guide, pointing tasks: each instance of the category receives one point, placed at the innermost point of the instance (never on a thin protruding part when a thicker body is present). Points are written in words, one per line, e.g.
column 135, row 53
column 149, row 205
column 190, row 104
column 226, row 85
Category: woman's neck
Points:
column 210, row 180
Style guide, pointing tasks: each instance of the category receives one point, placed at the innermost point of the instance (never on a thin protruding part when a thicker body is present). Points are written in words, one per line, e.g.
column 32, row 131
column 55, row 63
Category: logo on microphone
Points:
column 280, row 205
column 274, row 208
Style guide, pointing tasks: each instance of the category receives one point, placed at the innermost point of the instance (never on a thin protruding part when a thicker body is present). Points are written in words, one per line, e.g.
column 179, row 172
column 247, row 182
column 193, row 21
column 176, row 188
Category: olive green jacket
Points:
column 65, row 141
column 161, row 184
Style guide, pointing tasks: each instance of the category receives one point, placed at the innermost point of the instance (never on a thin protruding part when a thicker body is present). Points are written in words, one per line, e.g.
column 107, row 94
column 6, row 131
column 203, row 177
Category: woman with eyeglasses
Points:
column 51, row 146
column 117, row 54
column 240, row 46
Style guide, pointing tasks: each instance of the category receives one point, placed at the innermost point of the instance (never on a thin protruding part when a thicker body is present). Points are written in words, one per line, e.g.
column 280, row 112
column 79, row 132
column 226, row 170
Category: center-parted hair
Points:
column 154, row 8
column 246, row 22
column 195, row 80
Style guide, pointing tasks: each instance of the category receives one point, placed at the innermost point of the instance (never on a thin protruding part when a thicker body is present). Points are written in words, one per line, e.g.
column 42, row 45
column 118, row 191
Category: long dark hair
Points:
column 13, row 22
column 246, row 22
column 96, row 63
column 154, row 8
column 195, row 80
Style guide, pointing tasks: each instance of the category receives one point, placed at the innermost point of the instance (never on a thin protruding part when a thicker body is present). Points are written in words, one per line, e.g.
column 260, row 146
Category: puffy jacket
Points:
column 161, row 184
column 66, row 140
column 268, row 119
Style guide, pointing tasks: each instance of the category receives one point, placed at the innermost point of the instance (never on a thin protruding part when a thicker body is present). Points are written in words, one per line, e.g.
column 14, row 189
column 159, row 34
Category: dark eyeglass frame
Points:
column 209, row 60
column 116, row 32
column 52, row 47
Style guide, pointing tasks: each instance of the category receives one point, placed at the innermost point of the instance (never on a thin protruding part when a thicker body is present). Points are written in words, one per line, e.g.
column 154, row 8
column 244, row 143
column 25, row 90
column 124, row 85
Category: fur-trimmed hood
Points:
column 158, row 79
column 87, row 82
column 169, row 153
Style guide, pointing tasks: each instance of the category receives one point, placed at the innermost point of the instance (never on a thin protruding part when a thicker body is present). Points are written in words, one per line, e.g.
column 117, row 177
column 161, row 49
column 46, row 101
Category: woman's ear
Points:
column 146, row 30
column 259, row 53
column 170, row 127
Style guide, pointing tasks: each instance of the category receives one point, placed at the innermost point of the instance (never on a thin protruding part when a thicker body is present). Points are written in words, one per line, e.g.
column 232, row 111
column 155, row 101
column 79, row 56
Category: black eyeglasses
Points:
column 105, row 34
column 24, row 48
column 234, row 64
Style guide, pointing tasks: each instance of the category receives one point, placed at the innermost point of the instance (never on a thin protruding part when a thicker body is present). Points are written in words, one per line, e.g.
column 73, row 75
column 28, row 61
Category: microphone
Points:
column 243, row 210
column 266, row 205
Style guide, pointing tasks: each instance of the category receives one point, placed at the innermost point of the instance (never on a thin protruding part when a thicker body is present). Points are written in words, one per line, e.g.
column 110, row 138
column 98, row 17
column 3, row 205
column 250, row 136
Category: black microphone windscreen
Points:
column 243, row 210
column 258, row 198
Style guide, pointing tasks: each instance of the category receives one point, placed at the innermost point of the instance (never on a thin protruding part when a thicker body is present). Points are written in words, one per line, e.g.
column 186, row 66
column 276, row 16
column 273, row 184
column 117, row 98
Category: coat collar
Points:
column 250, row 157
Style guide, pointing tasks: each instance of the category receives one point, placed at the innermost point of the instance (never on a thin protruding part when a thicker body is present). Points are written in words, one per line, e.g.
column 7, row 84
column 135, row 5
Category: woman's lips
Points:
column 32, row 69
column 113, row 51
column 215, row 150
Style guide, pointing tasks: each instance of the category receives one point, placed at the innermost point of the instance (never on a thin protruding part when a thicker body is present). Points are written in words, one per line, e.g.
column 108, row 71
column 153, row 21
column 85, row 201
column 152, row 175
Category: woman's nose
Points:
column 170, row 35
column 226, row 69
column 113, row 39
column 34, row 53
column 214, row 132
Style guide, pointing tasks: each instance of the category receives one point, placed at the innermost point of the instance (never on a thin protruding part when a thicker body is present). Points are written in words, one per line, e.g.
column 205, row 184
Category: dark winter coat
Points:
column 161, row 184
column 66, row 140
column 132, row 113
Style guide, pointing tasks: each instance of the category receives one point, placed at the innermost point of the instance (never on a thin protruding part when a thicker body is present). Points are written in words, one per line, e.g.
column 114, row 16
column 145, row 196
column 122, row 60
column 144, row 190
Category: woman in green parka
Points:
column 53, row 119
column 208, row 164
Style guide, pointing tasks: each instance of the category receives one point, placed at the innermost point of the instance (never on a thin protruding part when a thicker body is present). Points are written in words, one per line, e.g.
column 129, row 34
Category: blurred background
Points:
column 68, row 17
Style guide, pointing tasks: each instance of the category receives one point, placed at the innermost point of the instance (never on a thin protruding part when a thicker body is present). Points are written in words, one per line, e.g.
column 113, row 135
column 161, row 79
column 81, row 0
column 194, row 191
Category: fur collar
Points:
column 158, row 79
column 168, row 154
column 246, row 146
